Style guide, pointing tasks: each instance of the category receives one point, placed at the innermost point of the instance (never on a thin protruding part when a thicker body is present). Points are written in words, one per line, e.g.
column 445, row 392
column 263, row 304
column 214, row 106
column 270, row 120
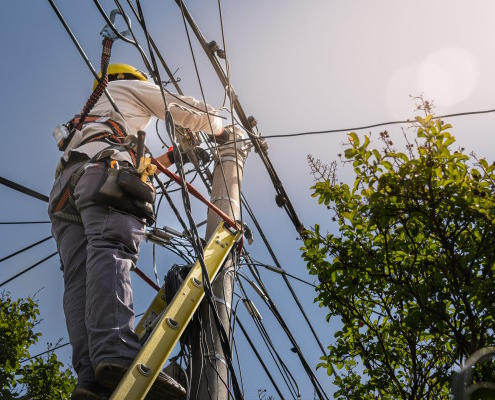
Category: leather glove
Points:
column 201, row 153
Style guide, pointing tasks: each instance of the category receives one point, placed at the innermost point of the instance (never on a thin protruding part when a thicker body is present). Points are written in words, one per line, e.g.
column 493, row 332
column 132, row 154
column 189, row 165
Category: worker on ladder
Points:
column 98, row 225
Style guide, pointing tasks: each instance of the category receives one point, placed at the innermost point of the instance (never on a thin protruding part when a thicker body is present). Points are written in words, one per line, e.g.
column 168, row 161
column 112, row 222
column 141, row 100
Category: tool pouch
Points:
column 118, row 190
column 130, row 181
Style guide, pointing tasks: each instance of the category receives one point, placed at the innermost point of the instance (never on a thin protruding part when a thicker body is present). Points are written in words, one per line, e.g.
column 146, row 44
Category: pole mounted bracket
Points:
column 109, row 33
column 214, row 48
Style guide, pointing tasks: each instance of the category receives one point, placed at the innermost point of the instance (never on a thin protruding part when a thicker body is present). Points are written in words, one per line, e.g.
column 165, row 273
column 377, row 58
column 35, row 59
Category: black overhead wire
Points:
column 25, row 248
column 51, row 350
column 155, row 48
column 25, row 222
column 282, row 197
column 164, row 144
column 157, row 209
column 258, row 356
column 204, row 101
column 152, row 68
column 229, row 86
column 281, row 271
column 28, row 269
column 232, row 316
column 187, row 205
column 273, row 308
column 152, row 50
column 220, row 161
column 172, row 206
column 114, row 28
column 81, row 51
column 120, row 36
column 23, row 189
column 171, row 77
column 284, row 371
column 360, row 128
column 45, row 352
column 261, row 290
column 275, row 260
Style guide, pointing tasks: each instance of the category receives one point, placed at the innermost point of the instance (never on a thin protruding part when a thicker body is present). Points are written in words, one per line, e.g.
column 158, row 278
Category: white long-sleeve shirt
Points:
column 139, row 101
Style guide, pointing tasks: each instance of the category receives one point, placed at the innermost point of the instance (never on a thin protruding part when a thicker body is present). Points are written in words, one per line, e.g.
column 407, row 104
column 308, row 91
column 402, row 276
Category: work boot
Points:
column 90, row 391
column 109, row 373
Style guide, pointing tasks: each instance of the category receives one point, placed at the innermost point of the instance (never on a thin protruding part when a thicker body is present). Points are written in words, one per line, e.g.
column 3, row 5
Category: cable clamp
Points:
column 234, row 202
column 251, row 308
column 108, row 33
column 213, row 355
column 228, row 158
column 222, row 301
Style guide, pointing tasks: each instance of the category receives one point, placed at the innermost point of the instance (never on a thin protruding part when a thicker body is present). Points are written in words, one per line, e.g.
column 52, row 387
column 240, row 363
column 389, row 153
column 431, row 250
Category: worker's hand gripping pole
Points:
column 145, row 168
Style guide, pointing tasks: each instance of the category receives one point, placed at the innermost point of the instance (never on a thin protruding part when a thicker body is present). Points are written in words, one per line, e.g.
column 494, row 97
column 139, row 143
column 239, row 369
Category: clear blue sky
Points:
column 296, row 66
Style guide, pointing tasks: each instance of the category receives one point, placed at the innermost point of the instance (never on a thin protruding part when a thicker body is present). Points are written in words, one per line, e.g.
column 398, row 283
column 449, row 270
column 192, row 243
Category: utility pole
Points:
column 209, row 370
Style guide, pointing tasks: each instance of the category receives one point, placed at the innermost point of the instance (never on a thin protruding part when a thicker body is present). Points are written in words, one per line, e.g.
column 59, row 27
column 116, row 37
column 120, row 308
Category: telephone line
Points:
column 360, row 128
column 28, row 269
column 25, row 248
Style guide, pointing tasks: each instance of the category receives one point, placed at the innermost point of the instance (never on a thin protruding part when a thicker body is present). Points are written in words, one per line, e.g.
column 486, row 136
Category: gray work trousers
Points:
column 96, row 259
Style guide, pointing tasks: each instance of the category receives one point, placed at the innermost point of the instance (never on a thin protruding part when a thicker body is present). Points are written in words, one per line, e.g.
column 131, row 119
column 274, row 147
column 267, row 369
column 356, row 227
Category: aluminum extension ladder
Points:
column 169, row 326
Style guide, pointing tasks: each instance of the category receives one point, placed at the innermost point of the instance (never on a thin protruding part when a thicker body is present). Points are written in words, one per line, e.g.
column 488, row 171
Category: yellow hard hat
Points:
column 122, row 71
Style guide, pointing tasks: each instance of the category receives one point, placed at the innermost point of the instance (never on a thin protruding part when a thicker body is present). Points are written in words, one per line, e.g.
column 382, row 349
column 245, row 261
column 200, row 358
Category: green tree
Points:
column 410, row 272
column 38, row 378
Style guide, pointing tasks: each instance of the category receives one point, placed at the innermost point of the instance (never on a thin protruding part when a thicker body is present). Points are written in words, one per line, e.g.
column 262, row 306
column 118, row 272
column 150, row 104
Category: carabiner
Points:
column 109, row 33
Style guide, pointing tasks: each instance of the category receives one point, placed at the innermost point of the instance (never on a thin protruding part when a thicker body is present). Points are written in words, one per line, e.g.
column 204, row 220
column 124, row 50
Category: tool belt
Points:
column 120, row 187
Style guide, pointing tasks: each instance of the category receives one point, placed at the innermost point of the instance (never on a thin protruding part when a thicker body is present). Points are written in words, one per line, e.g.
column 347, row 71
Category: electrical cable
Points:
column 282, row 197
column 45, row 352
column 153, row 70
column 25, row 222
column 282, row 272
column 220, row 161
column 155, row 48
column 56, row 348
column 157, row 280
column 275, row 260
column 233, row 342
column 26, row 248
column 28, row 269
column 204, row 101
column 197, row 241
column 258, row 356
column 136, row 43
column 273, row 308
column 284, row 371
column 81, row 51
column 231, row 104
column 23, row 189
column 360, row 128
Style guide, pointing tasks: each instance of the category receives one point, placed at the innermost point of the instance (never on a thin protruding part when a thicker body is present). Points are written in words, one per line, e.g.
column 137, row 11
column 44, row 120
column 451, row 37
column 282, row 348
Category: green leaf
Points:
column 353, row 137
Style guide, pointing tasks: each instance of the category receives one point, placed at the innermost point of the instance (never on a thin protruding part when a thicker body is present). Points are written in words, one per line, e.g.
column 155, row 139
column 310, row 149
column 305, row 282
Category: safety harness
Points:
column 117, row 137
column 64, row 206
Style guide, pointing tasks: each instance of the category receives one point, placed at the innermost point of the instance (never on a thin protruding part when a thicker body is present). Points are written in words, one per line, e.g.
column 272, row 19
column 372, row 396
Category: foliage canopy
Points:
column 37, row 378
column 410, row 272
